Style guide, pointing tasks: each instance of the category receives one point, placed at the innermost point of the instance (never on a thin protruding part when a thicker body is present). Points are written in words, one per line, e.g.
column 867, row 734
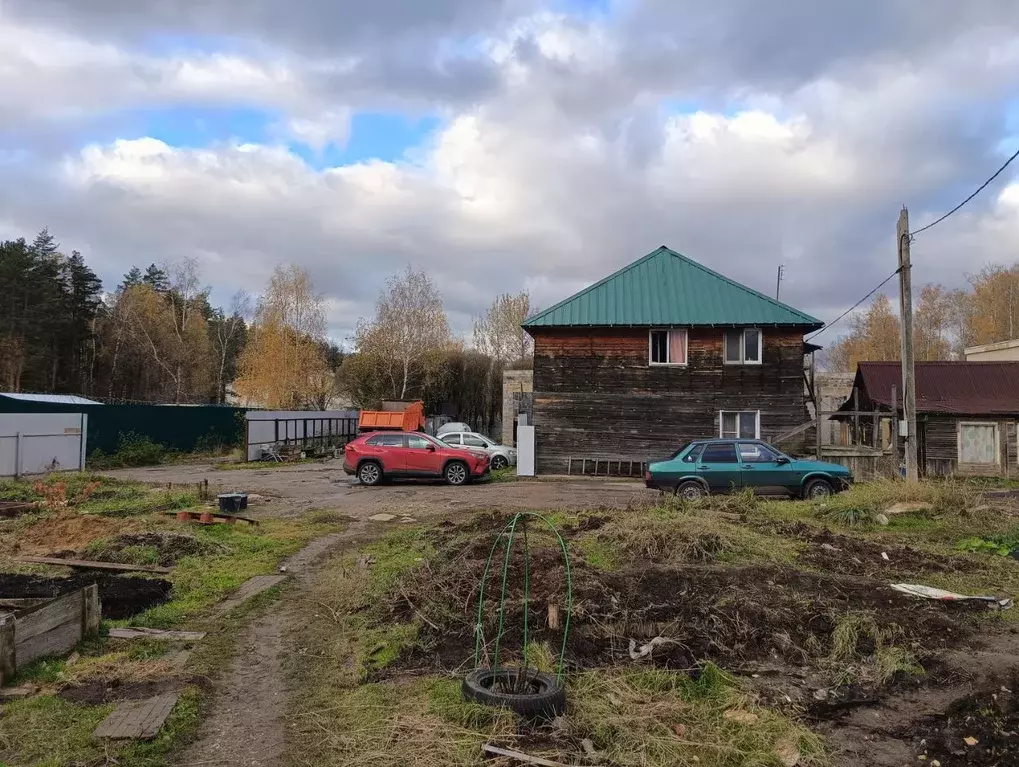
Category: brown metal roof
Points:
column 979, row 388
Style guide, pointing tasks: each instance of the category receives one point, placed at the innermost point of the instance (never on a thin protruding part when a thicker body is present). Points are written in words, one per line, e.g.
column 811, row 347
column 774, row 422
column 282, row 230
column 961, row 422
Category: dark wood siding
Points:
column 941, row 445
column 596, row 396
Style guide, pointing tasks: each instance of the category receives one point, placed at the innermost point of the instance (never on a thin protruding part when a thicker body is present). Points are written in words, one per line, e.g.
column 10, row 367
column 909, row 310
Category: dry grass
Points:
column 863, row 502
column 677, row 533
column 654, row 718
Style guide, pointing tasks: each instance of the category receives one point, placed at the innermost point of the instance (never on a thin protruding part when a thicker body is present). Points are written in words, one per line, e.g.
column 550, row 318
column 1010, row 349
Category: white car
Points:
column 501, row 455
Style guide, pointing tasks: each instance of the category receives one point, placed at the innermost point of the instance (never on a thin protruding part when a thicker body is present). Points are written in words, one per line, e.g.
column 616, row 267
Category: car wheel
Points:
column 456, row 473
column 370, row 474
column 817, row 488
column 691, row 491
column 499, row 462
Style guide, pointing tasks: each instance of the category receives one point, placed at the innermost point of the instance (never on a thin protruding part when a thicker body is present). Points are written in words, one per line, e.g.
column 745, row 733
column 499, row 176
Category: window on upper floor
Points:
column 667, row 347
column 743, row 346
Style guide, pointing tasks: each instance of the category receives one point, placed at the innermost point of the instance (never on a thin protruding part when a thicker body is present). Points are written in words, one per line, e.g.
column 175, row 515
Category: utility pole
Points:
column 778, row 282
column 908, row 369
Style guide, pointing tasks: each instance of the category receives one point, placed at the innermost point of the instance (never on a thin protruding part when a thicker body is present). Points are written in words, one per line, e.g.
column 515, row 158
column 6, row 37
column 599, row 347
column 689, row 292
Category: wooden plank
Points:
column 91, row 565
column 177, row 659
column 146, row 633
column 57, row 641
column 22, row 603
column 7, row 664
column 139, row 720
column 248, row 589
column 91, row 611
column 48, row 616
column 491, row 750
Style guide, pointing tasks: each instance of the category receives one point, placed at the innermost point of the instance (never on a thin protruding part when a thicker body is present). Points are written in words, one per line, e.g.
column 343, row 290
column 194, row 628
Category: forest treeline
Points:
column 156, row 337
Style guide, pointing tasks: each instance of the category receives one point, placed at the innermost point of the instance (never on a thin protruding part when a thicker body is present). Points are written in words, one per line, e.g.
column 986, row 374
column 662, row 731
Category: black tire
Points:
column 456, row 473
column 369, row 473
column 545, row 697
column 817, row 488
column 499, row 462
column 691, row 491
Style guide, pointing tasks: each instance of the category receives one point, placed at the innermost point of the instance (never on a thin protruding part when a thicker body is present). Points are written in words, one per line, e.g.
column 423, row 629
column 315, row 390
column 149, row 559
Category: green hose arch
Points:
column 510, row 531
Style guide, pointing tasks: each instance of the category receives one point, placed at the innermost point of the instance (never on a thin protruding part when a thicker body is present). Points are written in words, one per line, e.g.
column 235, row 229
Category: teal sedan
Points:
column 729, row 465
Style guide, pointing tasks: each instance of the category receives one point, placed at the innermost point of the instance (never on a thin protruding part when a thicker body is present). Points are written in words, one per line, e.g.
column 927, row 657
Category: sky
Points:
column 508, row 145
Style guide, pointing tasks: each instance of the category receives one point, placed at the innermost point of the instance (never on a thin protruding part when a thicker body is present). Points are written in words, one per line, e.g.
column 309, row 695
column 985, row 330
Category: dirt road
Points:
column 291, row 490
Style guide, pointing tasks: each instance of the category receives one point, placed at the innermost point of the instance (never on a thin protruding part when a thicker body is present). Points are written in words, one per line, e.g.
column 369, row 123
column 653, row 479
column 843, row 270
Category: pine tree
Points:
column 157, row 278
column 132, row 278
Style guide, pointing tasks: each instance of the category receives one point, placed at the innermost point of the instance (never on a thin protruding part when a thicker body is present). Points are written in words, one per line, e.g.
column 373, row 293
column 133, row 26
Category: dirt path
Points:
column 245, row 726
column 291, row 490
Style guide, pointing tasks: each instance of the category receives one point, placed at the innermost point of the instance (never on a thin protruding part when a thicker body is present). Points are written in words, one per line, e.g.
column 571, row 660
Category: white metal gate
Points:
column 35, row 443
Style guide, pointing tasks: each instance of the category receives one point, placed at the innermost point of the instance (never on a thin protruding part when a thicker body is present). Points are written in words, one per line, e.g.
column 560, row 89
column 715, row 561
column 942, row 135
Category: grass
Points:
column 653, row 718
column 94, row 494
column 676, row 533
column 47, row 731
column 263, row 465
column 240, row 552
column 863, row 502
column 346, row 717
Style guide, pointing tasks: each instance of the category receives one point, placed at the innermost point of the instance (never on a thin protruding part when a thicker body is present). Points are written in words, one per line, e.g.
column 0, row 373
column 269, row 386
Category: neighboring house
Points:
column 515, row 385
column 1003, row 351
column 966, row 412
column 659, row 353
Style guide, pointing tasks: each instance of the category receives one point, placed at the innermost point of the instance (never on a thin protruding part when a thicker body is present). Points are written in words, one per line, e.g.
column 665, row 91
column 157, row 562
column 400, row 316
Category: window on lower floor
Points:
column 739, row 424
column 978, row 443
column 667, row 347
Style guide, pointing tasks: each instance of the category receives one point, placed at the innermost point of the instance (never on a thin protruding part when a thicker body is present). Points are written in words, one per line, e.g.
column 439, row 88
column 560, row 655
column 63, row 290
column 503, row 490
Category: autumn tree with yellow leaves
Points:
column 283, row 366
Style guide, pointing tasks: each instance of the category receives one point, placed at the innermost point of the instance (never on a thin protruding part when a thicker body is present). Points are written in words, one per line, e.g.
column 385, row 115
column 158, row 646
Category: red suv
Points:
column 398, row 454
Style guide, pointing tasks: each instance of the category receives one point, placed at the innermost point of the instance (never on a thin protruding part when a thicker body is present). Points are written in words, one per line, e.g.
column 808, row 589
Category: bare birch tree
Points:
column 408, row 329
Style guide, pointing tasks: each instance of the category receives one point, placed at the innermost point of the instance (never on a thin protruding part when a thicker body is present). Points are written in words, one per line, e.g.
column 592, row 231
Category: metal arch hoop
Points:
column 510, row 531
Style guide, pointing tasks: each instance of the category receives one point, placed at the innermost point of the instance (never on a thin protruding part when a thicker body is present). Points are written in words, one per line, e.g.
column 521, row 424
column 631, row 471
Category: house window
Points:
column 667, row 347
column 743, row 347
column 978, row 443
column 745, row 424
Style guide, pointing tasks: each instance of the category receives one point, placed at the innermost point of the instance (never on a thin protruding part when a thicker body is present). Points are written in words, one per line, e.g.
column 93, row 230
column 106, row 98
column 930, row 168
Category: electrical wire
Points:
column 978, row 191
column 834, row 322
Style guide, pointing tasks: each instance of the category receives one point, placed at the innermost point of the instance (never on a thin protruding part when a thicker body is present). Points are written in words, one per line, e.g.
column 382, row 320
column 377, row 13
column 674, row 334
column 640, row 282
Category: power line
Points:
column 816, row 333
column 978, row 191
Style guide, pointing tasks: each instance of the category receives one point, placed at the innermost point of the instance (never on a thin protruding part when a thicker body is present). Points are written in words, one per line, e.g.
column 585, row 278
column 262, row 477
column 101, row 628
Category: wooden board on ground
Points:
column 92, row 565
column 230, row 518
column 145, row 633
column 248, row 589
column 178, row 659
column 140, row 719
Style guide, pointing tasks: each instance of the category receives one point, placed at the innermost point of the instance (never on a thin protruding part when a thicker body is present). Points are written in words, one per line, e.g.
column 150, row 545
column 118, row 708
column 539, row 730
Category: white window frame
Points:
column 742, row 347
column 997, row 441
column 668, row 347
column 757, row 424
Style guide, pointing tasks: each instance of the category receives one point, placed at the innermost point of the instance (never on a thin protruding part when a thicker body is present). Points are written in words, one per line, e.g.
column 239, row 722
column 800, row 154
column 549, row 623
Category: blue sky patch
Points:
column 382, row 136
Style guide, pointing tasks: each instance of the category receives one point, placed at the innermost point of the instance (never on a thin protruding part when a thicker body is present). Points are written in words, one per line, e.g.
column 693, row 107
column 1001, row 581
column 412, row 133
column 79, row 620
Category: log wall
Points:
column 940, row 445
column 596, row 396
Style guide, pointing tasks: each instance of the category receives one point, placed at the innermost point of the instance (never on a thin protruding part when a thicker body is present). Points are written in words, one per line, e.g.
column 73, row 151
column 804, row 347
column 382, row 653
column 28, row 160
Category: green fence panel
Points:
column 180, row 427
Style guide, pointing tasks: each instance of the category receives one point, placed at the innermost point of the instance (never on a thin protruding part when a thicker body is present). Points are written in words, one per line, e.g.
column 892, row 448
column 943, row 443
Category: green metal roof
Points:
column 666, row 288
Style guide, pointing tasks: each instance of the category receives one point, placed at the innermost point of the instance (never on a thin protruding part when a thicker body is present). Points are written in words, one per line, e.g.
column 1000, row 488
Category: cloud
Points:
column 568, row 145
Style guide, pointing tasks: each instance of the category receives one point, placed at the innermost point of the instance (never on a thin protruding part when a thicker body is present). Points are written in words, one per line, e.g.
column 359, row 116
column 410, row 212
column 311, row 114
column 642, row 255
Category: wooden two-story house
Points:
column 661, row 352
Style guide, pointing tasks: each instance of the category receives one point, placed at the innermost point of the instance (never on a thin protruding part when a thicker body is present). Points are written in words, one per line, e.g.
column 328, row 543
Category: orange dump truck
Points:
column 411, row 419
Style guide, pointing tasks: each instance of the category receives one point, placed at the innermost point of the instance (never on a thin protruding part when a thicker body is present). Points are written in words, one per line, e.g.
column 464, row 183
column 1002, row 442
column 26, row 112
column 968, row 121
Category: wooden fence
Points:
column 36, row 628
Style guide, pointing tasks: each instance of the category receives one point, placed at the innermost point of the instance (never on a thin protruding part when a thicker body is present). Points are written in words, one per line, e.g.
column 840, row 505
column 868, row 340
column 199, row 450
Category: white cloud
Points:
column 562, row 156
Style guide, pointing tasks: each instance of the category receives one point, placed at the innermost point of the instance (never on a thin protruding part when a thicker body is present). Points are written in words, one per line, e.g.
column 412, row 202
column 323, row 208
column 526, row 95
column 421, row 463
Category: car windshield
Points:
column 484, row 439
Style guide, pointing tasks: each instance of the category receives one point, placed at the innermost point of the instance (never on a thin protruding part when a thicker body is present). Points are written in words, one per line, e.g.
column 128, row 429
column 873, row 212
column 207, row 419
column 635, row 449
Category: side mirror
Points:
column 430, row 448
column 782, row 461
